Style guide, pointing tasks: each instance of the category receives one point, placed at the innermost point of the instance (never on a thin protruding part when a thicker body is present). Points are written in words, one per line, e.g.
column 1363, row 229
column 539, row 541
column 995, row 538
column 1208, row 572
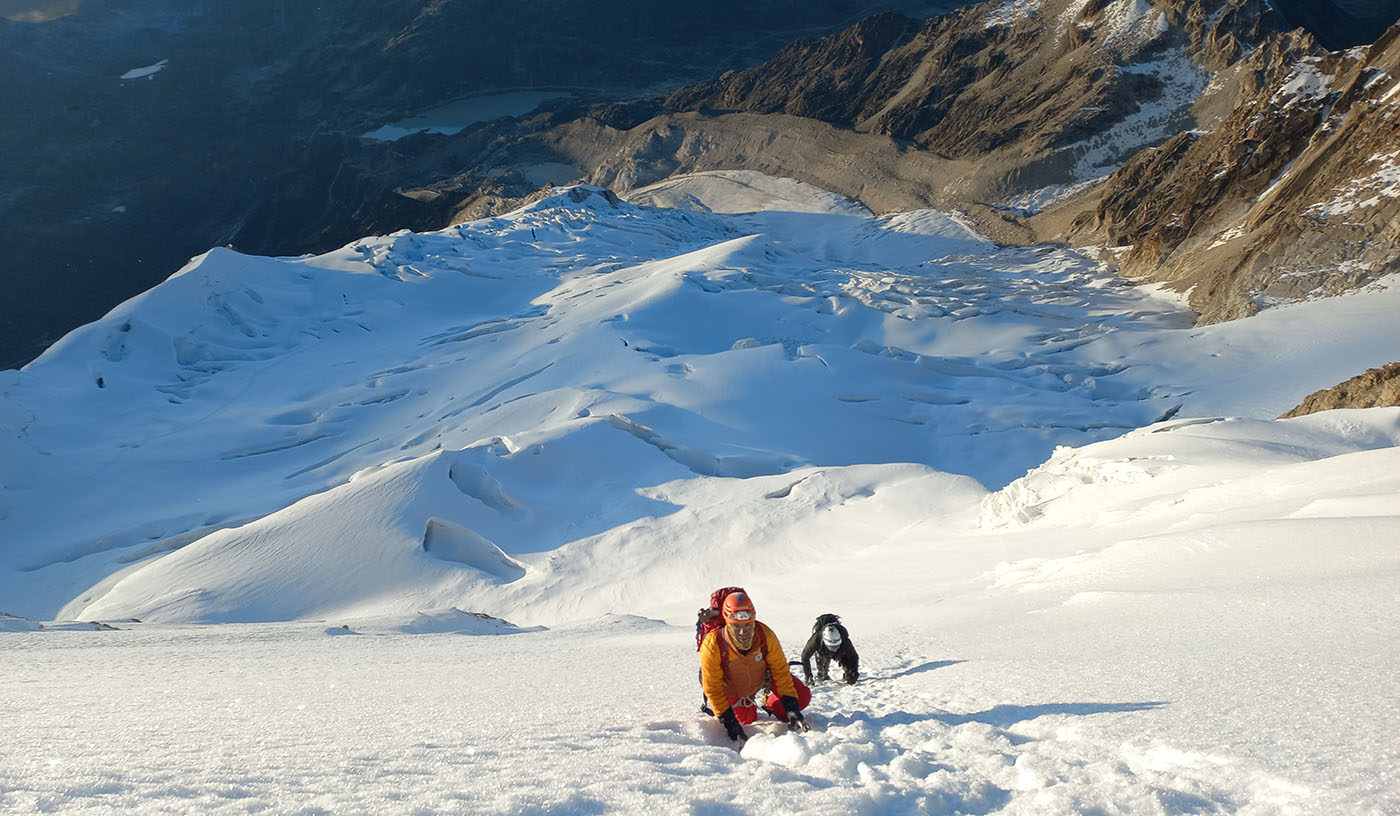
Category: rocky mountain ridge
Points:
column 978, row 80
column 1295, row 192
column 982, row 106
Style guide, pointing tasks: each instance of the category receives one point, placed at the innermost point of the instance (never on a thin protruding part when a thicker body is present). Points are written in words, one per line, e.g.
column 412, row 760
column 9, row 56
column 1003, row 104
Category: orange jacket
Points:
column 748, row 672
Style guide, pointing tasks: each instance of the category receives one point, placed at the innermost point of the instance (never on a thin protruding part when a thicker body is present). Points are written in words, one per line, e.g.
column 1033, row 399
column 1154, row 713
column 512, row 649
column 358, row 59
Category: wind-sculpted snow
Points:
column 575, row 351
column 517, row 385
column 1159, row 465
column 454, row 498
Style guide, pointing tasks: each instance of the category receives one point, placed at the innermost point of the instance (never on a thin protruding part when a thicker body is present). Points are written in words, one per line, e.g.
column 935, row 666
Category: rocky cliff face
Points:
column 1055, row 92
column 1294, row 193
column 991, row 108
column 1376, row 388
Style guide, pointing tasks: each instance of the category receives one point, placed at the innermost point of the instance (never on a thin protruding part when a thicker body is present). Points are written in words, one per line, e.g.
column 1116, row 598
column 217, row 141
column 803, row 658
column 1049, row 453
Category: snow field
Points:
column 998, row 717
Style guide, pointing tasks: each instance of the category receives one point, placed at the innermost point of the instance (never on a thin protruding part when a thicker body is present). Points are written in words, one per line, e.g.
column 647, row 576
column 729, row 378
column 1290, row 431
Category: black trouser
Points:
column 848, row 670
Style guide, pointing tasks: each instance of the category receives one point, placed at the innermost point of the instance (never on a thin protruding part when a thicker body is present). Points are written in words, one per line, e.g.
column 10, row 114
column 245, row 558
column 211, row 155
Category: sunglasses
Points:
column 741, row 617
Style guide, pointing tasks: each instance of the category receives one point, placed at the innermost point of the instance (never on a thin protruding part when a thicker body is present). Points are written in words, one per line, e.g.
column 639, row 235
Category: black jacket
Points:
column 845, row 655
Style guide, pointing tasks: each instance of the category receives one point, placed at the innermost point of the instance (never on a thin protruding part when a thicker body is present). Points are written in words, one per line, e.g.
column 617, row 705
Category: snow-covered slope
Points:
column 554, row 361
column 521, row 388
column 1085, row 568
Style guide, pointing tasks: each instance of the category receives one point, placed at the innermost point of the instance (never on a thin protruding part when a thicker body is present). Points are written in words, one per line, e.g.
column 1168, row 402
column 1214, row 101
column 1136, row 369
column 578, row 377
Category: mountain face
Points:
column 1030, row 94
column 1284, row 185
column 996, row 104
column 973, row 82
column 1293, row 193
column 151, row 130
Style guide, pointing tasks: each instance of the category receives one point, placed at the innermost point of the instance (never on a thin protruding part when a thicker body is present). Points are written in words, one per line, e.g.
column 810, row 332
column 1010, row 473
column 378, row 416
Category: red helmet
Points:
column 738, row 608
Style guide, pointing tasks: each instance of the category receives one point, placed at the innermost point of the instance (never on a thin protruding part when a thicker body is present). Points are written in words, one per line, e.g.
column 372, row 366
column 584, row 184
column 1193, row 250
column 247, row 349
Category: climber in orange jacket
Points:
column 741, row 658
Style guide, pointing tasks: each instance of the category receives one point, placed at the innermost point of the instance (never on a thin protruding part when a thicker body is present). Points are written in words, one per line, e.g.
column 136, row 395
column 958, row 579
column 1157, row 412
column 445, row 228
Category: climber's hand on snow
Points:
column 794, row 716
column 732, row 726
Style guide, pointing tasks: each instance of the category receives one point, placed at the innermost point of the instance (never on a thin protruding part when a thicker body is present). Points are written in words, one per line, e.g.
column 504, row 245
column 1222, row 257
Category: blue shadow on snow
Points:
column 1004, row 715
column 1001, row 716
column 930, row 666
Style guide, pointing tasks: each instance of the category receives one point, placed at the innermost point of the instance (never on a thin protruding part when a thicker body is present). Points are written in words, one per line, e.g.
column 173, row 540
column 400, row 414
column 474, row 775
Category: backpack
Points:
column 826, row 620
column 709, row 619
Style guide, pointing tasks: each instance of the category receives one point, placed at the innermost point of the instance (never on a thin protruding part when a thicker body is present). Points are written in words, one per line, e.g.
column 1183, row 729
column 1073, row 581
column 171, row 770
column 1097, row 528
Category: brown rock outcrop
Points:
column 1378, row 387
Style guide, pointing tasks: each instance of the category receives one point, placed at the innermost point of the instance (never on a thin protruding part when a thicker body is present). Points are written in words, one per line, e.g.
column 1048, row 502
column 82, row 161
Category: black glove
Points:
column 732, row 726
column 794, row 717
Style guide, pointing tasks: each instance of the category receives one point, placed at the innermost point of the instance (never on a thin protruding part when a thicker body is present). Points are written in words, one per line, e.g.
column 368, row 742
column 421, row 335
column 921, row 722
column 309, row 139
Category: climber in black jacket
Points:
column 830, row 640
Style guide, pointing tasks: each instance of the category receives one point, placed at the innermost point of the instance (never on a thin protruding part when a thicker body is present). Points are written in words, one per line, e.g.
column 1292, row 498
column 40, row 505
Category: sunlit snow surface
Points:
column 582, row 417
